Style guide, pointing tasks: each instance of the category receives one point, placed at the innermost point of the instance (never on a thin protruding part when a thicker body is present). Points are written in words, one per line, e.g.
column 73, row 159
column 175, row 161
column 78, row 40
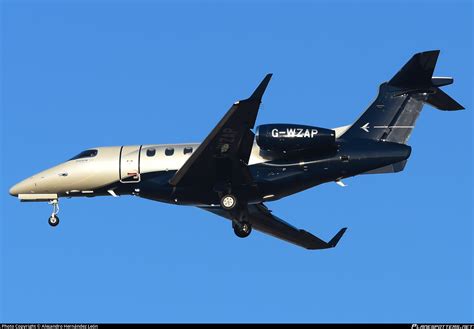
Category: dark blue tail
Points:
column 393, row 114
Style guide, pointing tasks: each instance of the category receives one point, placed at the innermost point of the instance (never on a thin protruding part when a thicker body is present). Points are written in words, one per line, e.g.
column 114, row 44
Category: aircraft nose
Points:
column 22, row 187
column 14, row 190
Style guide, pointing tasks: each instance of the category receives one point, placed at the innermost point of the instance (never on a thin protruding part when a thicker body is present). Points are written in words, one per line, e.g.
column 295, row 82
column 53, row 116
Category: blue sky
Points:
column 76, row 75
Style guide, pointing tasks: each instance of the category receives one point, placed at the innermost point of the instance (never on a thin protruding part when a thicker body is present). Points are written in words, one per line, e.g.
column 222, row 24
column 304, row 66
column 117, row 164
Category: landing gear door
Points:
column 130, row 164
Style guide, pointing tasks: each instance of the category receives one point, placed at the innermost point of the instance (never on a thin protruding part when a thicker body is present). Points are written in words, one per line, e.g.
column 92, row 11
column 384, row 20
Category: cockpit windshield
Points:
column 85, row 154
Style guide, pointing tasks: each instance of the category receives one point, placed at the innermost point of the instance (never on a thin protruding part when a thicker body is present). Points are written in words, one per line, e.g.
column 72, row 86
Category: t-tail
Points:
column 392, row 116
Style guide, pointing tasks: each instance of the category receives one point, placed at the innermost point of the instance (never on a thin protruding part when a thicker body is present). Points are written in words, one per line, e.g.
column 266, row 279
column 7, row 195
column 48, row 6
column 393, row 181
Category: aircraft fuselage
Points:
column 145, row 171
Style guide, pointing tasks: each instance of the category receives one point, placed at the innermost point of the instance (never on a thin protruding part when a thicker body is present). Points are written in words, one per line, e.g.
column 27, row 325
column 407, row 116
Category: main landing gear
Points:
column 228, row 202
column 238, row 213
column 54, row 219
column 242, row 229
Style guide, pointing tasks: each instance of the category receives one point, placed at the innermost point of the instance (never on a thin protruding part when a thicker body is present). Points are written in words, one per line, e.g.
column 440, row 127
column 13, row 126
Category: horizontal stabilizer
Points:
column 442, row 101
column 441, row 81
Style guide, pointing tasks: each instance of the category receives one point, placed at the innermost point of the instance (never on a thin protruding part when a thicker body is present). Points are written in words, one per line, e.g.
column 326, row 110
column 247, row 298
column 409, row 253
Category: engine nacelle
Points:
column 288, row 138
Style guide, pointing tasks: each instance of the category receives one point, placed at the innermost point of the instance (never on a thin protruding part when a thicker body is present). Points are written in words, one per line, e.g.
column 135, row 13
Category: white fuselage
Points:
column 111, row 164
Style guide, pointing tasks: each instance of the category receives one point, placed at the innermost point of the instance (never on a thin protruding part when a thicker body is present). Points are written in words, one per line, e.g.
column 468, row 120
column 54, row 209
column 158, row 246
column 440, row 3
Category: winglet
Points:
column 258, row 93
column 337, row 237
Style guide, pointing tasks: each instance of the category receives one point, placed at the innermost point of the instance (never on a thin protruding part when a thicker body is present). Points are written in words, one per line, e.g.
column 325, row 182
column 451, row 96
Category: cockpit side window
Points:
column 85, row 154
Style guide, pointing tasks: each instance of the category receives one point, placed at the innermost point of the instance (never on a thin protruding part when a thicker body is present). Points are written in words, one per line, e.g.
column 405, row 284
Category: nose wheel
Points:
column 54, row 219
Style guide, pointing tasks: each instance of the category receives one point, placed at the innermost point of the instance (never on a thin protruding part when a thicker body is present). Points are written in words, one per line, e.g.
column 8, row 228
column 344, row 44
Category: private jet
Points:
column 238, row 169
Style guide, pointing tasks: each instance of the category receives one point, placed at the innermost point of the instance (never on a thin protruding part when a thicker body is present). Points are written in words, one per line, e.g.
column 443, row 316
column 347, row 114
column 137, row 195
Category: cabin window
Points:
column 188, row 150
column 150, row 152
column 85, row 154
column 344, row 158
column 169, row 151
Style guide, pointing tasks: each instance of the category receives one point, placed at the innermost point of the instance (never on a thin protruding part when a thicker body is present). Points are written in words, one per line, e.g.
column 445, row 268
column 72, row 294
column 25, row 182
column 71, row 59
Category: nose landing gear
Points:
column 54, row 219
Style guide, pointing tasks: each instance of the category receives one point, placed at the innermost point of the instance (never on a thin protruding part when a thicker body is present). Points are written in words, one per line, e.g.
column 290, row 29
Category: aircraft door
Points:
column 130, row 164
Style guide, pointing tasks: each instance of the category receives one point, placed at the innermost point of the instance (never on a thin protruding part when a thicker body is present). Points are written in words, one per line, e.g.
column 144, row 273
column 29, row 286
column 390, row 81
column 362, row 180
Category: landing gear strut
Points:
column 54, row 219
column 237, row 209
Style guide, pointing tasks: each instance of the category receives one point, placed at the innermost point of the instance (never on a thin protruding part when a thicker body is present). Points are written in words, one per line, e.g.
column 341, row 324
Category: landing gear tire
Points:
column 228, row 202
column 53, row 220
column 242, row 230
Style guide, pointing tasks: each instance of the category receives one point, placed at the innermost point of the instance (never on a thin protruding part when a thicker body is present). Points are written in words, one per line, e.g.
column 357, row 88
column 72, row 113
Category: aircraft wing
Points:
column 261, row 219
column 224, row 154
